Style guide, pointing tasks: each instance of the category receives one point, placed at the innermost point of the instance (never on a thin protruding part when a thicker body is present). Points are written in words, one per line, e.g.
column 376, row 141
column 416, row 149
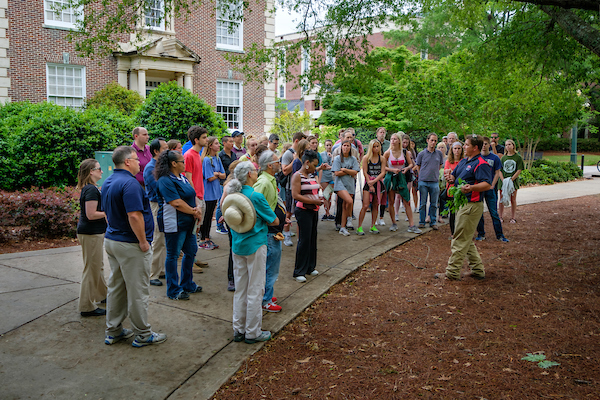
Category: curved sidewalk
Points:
column 48, row 350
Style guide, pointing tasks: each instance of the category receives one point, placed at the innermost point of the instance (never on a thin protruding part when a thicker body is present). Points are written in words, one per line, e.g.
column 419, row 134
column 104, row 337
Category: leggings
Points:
column 207, row 222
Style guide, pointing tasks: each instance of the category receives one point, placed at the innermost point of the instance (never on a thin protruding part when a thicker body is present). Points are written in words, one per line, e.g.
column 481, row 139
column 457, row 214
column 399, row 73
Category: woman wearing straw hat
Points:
column 247, row 214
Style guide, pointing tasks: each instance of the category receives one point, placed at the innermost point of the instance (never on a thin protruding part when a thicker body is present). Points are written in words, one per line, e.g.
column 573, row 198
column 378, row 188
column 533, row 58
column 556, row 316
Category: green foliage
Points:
column 564, row 144
column 43, row 144
column 116, row 96
column 544, row 172
column 325, row 132
column 287, row 123
column 540, row 359
column 456, row 198
column 170, row 110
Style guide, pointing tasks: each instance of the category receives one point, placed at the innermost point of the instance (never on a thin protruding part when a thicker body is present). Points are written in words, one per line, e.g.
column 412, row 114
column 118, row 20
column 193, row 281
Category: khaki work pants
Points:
column 159, row 249
column 93, row 284
column 128, row 284
column 467, row 219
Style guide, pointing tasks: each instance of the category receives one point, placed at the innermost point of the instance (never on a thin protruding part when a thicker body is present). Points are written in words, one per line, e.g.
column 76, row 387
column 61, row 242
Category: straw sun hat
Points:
column 238, row 212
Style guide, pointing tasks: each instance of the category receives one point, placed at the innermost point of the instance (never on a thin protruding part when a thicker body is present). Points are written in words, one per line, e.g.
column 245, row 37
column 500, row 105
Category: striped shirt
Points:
column 308, row 187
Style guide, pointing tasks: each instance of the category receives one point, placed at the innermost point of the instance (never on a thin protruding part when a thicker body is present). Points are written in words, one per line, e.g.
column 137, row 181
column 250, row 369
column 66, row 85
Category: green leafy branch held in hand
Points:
column 457, row 198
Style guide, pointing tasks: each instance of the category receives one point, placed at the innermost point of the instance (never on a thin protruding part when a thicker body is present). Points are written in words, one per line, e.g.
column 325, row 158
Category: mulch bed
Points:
column 392, row 331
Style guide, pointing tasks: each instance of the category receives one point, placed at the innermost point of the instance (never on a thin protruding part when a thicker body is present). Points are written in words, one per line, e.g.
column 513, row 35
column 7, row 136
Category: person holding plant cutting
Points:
column 474, row 176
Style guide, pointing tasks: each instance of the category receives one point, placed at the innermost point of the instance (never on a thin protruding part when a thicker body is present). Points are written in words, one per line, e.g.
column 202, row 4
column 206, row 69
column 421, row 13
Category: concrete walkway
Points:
column 48, row 350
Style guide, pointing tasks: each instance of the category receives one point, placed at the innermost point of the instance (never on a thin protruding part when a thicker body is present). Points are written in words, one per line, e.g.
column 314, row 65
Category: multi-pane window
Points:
column 229, row 103
column 155, row 14
column 282, row 91
column 330, row 58
column 305, row 68
column 57, row 13
column 66, row 85
column 230, row 26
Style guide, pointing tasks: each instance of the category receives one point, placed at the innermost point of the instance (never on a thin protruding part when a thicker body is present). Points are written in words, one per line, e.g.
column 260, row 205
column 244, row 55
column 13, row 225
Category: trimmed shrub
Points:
column 544, row 172
column 170, row 110
column 42, row 144
column 116, row 97
column 48, row 213
column 564, row 144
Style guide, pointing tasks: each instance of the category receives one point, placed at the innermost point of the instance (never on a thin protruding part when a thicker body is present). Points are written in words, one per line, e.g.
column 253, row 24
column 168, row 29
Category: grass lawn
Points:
column 590, row 159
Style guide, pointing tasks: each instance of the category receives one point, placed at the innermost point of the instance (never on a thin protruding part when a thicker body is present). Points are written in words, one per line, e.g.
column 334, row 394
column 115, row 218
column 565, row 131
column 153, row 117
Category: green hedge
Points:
column 564, row 144
column 42, row 144
column 544, row 172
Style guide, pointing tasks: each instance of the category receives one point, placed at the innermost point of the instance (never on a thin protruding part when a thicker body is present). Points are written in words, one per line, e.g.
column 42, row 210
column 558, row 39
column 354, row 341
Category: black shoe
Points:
column 198, row 290
column 161, row 276
column 239, row 337
column 337, row 227
column 103, row 301
column 156, row 282
column 98, row 312
column 181, row 296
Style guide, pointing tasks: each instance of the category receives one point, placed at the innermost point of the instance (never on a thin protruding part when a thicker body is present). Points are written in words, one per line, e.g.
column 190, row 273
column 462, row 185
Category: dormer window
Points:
column 155, row 15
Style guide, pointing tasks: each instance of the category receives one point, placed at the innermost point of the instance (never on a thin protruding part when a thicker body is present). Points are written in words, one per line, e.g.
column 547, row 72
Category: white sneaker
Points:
column 381, row 222
column 394, row 228
column 349, row 223
column 314, row 273
column 287, row 240
column 344, row 231
column 397, row 217
column 406, row 219
column 300, row 279
column 376, row 222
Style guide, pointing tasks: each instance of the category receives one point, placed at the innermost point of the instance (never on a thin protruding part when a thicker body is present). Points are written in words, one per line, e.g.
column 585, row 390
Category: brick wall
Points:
column 32, row 46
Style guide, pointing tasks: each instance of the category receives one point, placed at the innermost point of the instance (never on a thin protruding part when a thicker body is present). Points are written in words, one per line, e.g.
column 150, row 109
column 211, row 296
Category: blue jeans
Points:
column 273, row 261
column 491, row 200
column 175, row 243
column 433, row 190
column 218, row 215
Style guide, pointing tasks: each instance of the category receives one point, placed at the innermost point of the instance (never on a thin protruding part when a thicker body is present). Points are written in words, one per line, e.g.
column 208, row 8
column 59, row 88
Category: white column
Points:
column 179, row 76
column 142, row 82
column 4, row 59
column 122, row 74
column 188, row 82
column 270, row 88
column 133, row 80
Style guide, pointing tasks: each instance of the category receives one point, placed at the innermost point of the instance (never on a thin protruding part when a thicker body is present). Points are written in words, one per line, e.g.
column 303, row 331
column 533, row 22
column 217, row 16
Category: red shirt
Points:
column 193, row 165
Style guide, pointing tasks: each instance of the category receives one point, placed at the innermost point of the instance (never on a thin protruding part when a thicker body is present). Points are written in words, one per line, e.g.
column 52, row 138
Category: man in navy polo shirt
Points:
column 159, row 250
column 127, row 243
column 477, row 174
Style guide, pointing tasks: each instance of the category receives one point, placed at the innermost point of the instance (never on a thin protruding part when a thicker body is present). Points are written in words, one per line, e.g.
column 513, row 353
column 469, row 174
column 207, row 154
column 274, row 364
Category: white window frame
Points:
column 240, row 126
column 240, row 30
column 330, row 56
column 160, row 6
column 281, row 81
column 51, row 97
column 76, row 14
column 304, row 67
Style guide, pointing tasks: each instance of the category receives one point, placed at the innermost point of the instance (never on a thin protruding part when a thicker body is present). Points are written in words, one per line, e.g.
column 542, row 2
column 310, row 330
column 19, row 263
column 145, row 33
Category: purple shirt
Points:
column 145, row 156
column 238, row 152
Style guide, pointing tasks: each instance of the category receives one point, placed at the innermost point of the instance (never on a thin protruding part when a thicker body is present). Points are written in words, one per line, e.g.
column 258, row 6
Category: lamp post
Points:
column 574, row 144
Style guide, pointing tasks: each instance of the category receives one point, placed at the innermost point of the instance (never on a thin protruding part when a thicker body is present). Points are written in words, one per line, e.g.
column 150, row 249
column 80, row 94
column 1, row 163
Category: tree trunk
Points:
column 575, row 27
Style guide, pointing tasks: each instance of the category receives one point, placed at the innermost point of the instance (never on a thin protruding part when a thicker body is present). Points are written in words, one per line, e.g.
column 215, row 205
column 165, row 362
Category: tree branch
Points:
column 592, row 5
column 576, row 27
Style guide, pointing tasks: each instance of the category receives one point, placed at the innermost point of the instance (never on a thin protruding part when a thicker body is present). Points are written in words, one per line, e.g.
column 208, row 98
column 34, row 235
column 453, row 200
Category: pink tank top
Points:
column 396, row 162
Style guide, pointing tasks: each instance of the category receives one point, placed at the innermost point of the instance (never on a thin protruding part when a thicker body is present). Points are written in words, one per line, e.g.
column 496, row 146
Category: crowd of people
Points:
column 157, row 207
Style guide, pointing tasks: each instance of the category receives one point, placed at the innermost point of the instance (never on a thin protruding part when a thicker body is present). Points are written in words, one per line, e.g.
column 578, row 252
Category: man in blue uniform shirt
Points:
column 477, row 174
column 127, row 244
column 491, row 199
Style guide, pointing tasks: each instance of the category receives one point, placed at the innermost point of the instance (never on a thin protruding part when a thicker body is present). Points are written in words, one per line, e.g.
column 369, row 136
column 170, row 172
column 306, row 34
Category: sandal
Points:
column 513, row 221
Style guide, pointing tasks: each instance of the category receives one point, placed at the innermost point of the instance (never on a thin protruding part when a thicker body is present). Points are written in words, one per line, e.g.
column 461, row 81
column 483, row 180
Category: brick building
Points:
column 308, row 99
column 37, row 63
